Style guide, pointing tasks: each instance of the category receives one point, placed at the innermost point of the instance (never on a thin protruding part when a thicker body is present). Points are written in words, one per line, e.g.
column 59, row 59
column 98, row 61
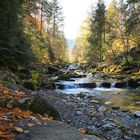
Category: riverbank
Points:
column 91, row 104
column 87, row 113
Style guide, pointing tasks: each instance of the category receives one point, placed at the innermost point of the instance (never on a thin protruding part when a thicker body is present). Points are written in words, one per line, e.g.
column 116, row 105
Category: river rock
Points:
column 87, row 85
column 108, row 103
column 133, row 83
column 115, row 107
column 53, row 78
column 94, row 101
column 91, row 130
column 19, row 129
column 137, row 103
column 41, row 106
column 60, row 86
column 137, row 114
column 106, row 85
column 81, row 95
column 120, row 84
column 78, row 113
column 102, row 109
column 55, row 131
column 109, row 126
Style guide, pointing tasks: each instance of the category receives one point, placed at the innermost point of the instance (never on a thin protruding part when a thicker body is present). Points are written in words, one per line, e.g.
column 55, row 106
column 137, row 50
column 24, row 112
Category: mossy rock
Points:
column 3, row 103
column 24, row 105
column 41, row 106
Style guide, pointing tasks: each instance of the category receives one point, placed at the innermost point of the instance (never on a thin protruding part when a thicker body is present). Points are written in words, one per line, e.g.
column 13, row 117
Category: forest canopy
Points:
column 110, row 34
column 31, row 32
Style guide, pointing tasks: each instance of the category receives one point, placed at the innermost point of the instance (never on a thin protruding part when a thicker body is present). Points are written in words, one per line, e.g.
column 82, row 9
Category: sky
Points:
column 75, row 11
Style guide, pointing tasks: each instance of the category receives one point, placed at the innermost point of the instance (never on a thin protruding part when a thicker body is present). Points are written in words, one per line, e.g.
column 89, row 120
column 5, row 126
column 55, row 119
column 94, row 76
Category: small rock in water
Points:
column 108, row 103
column 102, row 109
column 115, row 107
column 137, row 114
column 106, row 85
column 120, row 85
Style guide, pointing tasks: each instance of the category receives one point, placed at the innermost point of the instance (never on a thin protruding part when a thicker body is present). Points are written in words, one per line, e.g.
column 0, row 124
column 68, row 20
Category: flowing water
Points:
column 81, row 85
column 92, row 86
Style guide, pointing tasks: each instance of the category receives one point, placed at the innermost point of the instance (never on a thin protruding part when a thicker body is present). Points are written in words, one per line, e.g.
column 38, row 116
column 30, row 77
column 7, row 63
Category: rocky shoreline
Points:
column 87, row 114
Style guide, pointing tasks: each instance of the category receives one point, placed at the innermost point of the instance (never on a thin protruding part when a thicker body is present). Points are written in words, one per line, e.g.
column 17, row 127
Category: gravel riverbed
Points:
column 86, row 113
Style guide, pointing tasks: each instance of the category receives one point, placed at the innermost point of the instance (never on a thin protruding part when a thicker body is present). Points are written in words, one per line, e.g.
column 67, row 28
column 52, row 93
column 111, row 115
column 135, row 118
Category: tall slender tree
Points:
column 97, row 28
column 57, row 17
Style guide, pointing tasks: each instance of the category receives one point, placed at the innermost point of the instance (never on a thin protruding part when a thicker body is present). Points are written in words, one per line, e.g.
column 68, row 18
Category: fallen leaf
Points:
column 19, row 129
column 83, row 131
column 6, row 137
column 10, row 105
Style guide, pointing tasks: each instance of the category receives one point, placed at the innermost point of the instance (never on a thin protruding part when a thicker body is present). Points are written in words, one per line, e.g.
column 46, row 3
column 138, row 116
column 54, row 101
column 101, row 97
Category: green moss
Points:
column 41, row 106
column 3, row 103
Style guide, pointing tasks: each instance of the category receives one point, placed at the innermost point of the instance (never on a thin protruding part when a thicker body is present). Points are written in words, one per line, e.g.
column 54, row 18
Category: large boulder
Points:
column 133, row 83
column 87, row 85
column 120, row 84
column 106, row 85
column 80, row 85
column 41, row 106
column 54, row 131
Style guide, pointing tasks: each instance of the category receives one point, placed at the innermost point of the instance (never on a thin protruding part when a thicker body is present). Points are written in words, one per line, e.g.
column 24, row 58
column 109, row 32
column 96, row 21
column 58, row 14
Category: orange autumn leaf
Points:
column 1, row 133
column 26, row 114
column 16, row 110
column 83, row 131
column 3, row 111
column 6, row 125
column 19, row 114
column 2, row 128
column 5, row 91
column 6, row 137
column 16, row 96
column 12, row 117
column 45, row 118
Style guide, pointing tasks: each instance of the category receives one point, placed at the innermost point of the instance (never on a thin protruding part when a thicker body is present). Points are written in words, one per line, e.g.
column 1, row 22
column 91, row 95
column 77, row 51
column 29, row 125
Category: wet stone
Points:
column 133, row 83
column 115, row 107
column 106, row 85
column 102, row 109
column 108, row 103
column 137, row 114
column 120, row 84
column 109, row 126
